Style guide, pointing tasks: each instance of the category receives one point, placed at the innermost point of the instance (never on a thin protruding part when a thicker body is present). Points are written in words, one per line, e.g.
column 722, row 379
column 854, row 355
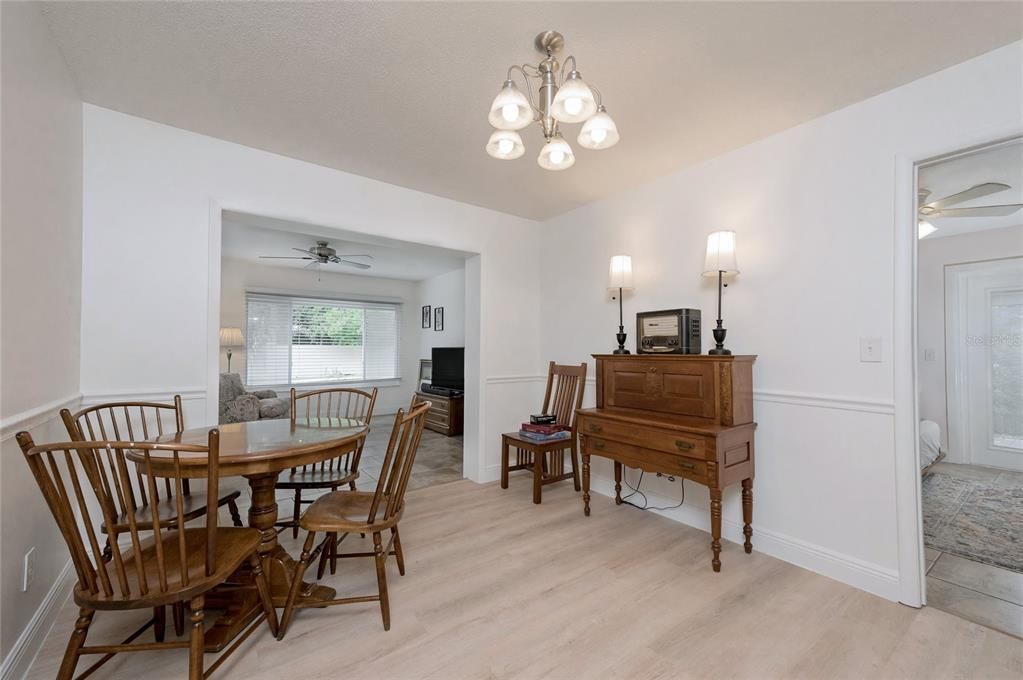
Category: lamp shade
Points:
column 505, row 145
column 599, row 132
column 720, row 254
column 574, row 101
column 556, row 154
column 510, row 109
column 231, row 337
column 620, row 274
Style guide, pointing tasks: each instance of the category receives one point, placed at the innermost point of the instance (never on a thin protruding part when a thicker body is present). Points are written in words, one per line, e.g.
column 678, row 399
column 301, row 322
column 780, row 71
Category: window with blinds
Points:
column 294, row 340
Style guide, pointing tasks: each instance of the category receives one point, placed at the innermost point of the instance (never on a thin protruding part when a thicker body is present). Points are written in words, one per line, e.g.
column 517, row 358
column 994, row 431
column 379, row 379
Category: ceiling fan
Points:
column 321, row 254
column 940, row 208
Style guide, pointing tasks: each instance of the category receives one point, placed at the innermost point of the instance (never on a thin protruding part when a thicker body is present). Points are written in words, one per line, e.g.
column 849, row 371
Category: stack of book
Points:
column 544, row 428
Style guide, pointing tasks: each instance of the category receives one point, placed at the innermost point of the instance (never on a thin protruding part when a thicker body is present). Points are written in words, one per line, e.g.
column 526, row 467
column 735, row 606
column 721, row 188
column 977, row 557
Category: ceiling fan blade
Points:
column 985, row 189
column 979, row 211
column 357, row 265
column 315, row 264
column 369, row 256
column 307, row 252
column 278, row 257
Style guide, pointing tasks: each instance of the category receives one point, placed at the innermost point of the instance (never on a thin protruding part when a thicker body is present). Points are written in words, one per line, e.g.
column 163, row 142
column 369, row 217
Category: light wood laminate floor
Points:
column 497, row 587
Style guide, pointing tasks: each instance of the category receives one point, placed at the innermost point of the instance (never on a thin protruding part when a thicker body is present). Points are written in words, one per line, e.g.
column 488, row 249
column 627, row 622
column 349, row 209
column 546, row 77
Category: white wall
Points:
column 813, row 208
column 933, row 255
column 238, row 276
column 445, row 290
column 146, row 320
column 41, row 287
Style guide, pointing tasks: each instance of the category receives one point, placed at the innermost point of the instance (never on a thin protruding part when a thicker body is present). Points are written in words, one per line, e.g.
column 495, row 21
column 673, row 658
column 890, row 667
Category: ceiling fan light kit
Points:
column 560, row 99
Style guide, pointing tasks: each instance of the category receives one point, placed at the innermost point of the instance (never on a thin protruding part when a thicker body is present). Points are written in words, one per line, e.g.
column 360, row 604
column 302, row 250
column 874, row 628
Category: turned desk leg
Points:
column 715, row 527
column 618, row 483
column 504, row 462
column 586, row 484
column 747, row 514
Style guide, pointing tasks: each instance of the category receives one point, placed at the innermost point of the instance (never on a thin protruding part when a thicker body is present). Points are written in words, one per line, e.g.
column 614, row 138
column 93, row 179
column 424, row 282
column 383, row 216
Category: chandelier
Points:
column 560, row 99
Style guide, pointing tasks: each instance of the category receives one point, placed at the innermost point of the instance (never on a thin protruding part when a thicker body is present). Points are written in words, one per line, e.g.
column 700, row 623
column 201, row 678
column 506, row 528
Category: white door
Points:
column 985, row 376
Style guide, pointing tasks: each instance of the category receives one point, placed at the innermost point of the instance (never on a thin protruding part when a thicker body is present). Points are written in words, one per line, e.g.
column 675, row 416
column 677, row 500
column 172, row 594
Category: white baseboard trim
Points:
column 28, row 644
column 34, row 417
column 873, row 578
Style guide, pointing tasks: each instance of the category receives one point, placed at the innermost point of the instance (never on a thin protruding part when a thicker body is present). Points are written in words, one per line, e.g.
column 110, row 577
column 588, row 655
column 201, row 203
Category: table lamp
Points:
column 720, row 261
column 620, row 278
column 231, row 338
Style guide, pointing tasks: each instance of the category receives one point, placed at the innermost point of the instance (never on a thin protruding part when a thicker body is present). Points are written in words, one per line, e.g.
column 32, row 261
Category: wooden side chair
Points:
column 307, row 407
column 345, row 512
column 546, row 460
column 141, row 420
column 84, row 484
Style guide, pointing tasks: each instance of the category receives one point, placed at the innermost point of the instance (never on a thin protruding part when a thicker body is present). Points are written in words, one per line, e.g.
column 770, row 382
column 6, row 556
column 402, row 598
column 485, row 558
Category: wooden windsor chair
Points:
column 84, row 484
column 346, row 512
column 142, row 420
column 343, row 403
column 546, row 460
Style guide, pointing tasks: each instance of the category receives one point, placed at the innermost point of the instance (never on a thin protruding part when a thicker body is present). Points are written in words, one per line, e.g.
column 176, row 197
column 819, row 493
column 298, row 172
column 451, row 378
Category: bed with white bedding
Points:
column 930, row 444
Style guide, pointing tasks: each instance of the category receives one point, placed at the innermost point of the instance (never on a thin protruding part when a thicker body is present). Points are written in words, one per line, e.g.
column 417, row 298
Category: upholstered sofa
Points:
column 237, row 405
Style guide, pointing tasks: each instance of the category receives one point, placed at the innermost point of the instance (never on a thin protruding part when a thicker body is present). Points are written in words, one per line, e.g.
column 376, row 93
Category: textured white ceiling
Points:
column 400, row 91
column 1002, row 163
column 247, row 237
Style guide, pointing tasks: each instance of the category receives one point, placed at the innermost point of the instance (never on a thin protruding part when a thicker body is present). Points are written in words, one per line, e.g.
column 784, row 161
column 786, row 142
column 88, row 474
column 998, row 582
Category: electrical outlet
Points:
column 930, row 354
column 870, row 350
column 30, row 569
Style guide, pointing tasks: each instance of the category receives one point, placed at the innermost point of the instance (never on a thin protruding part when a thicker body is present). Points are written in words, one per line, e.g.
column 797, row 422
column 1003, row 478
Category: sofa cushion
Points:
column 241, row 410
column 274, row 408
column 230, row 387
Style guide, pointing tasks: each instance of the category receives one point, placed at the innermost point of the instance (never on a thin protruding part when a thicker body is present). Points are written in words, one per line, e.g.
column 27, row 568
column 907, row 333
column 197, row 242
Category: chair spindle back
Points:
column 389, row 496
column 130, row 421
column 565, row 386
column 83, row 482
column 343, row 403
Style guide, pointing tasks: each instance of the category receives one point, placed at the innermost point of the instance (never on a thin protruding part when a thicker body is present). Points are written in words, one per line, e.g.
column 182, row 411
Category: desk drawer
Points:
column 647, row 459
column 691, row 446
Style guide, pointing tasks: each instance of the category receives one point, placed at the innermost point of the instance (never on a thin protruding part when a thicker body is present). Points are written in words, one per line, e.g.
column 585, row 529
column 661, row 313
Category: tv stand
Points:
column 447, row 415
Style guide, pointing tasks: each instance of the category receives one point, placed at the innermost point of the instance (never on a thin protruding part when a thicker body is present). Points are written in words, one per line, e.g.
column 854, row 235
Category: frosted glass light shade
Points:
column 511, row 109
column 505, row 145
column 574, row 102
column 620, row 275
column 720, row 254
column 599, row 132
column 925, row 229
column 231, row 337
column 556, row 155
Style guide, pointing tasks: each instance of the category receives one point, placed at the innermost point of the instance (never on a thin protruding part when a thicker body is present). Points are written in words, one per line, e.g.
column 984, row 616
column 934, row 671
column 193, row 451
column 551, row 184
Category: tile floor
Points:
column 984, row 594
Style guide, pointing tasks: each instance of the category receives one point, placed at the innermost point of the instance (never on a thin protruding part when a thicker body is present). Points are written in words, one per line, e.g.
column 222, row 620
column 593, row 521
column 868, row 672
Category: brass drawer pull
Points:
column 684, row 446
column 593, row 427
column 598, row 444
column 686, row 466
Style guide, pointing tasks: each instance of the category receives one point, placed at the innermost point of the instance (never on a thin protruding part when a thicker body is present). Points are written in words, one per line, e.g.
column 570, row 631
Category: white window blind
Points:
column 293, row 340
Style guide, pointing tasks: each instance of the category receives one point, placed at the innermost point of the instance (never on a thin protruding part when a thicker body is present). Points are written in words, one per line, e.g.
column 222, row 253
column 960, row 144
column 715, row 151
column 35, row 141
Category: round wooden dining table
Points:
column 259, row 451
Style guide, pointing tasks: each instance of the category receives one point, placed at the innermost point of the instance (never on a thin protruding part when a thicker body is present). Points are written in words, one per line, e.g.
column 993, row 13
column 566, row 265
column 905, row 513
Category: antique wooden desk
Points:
column 689, row 416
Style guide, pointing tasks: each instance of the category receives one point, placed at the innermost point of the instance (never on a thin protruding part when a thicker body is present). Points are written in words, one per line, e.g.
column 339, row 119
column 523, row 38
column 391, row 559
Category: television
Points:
column 449, row 367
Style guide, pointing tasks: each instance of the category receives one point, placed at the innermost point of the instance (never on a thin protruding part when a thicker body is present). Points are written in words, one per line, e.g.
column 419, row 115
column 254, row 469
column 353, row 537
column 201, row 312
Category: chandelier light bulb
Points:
column 505, row 145
column 599, row 132
column 511, row 109
column 556, row 154
column 574, row 102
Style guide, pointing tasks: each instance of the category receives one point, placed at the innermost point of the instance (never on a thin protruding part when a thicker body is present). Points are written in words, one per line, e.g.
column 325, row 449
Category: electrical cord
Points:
column 646, row 503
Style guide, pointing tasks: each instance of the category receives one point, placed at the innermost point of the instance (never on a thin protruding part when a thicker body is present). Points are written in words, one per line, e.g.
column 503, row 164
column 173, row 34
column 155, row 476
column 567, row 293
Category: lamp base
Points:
column 719, row 350
column 719, row 339
column 620, row 336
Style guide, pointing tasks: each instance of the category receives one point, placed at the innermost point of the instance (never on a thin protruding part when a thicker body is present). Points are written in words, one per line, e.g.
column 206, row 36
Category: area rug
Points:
column 978, row 520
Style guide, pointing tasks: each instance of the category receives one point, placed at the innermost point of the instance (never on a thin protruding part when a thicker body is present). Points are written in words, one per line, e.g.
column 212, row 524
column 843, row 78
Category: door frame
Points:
column 908, row 510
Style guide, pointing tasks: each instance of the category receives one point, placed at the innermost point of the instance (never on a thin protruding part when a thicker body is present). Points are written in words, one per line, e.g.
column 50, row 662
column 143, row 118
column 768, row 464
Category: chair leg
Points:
column 159, row 623
column 397, row 551
column 296, row 585
column 325, row 555
column 297, row 515
column 380, row 556
column 333, row 554
column 264, row 593
column 196, row 641
column 539, row 461
column 236, row 517
column 74, row 645
column 575, row 465
column 351, row 485
column 178, row 614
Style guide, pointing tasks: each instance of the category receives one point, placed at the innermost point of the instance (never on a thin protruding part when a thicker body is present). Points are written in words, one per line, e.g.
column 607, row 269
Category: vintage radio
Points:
column 669, row 331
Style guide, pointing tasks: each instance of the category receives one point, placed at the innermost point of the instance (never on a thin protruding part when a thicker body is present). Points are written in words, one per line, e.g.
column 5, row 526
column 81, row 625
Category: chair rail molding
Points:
column 148, row 394
column 36, row 416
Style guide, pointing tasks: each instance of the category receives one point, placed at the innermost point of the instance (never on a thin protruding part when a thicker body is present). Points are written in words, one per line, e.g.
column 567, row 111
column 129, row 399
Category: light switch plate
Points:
column 870, row 350
column 930, row 354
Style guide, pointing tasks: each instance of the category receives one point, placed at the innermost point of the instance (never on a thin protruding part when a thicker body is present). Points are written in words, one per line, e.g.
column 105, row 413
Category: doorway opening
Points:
column 969, row 331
